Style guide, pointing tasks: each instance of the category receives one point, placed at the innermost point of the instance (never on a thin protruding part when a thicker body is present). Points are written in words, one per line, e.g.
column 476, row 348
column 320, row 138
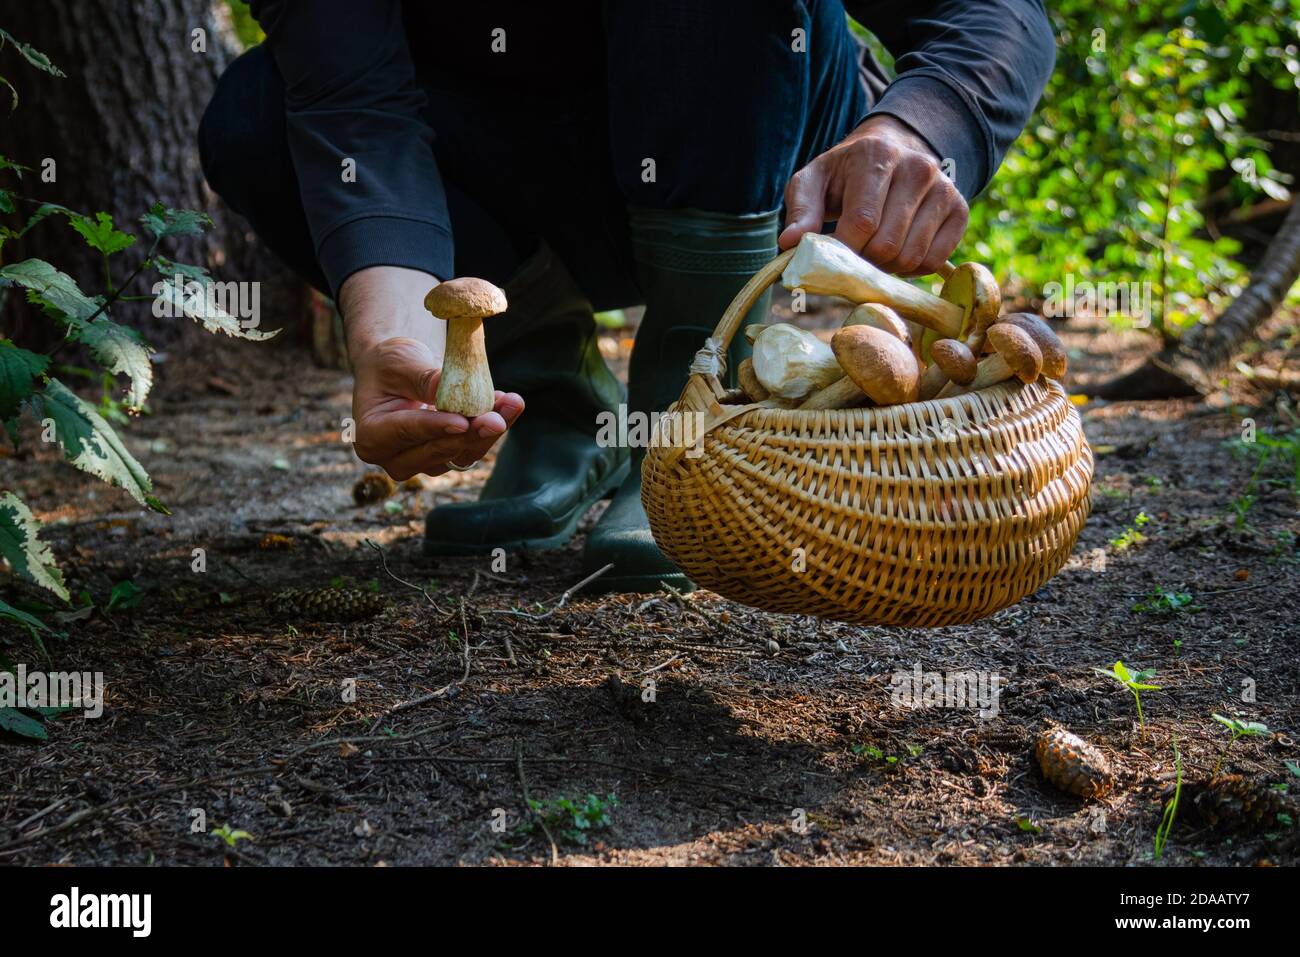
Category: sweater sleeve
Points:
column 360, row 146
column 969, row 74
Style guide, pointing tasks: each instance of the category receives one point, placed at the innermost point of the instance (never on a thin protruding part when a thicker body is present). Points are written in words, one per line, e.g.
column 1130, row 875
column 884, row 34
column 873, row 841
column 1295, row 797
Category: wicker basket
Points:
column 926, row 514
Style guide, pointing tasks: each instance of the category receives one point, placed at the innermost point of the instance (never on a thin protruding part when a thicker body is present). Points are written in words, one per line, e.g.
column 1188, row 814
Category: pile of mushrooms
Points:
column 900, row 344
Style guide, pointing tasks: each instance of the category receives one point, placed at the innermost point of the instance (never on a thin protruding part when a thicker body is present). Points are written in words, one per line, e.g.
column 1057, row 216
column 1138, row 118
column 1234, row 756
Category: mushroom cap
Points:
column 1017, row 349
column 1045, row 337
column 975, row 289
column 955, row 360
column 880, row 317
column 878, row 363
column 465, row 298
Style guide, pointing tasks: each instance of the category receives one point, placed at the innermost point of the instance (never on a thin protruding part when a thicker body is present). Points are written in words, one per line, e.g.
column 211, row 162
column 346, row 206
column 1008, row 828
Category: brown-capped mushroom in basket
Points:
column 880, row 317
column 1014, row 354
column 1045, row 337
column 878, row 363
column 951, row 361
column 465, row 385
column 973, row 288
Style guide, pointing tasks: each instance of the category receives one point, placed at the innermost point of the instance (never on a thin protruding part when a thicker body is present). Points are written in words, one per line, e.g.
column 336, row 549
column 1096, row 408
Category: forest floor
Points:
column 769, row 739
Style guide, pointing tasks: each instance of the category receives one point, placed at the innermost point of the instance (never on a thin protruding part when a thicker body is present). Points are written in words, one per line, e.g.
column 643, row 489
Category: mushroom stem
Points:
column 840, row 394
column 465, row 386
column 932, row 380
column 825, row 266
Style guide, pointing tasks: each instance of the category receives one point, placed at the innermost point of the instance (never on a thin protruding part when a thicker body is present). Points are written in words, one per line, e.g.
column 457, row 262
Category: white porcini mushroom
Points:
column 465, row 385
column 825, row 266
column 790, row 363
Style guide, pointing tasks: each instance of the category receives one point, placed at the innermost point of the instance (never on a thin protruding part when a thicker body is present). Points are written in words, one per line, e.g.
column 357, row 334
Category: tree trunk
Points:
column 122, row 129
column 1189, row 365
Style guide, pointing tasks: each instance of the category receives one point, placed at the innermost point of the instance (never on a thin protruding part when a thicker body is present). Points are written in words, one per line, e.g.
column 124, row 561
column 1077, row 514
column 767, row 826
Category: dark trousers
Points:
column 704, row 94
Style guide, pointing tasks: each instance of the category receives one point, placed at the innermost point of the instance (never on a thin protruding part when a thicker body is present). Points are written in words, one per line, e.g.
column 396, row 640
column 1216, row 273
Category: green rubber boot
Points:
column 550, row 470
column 690, row 265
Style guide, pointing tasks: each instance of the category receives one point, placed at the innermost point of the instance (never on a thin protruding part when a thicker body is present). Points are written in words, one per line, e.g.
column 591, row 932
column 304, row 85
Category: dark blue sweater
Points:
column 968, row 76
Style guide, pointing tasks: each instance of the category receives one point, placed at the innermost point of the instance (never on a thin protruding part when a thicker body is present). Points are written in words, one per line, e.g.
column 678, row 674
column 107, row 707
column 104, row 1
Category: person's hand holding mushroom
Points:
column 396, row 349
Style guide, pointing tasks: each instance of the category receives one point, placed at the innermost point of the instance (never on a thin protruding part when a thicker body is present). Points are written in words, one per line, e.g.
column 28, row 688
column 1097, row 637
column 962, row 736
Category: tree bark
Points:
column 122, row 131
column 1189, row 365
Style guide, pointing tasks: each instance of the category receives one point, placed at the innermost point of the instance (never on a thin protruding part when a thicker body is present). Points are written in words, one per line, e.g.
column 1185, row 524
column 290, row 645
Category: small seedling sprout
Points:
column 1171, row 808
column 1135, row 683
column 1239, row 729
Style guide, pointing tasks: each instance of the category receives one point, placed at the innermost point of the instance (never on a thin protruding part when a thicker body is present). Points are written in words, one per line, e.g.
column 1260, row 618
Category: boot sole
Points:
column 604, row 490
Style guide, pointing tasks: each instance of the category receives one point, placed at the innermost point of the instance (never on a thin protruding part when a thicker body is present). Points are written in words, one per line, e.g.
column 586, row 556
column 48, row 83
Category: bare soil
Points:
column 768, row 739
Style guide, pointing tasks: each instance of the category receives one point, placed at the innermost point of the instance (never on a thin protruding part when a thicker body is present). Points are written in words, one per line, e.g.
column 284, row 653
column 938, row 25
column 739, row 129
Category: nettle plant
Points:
column 29, row 387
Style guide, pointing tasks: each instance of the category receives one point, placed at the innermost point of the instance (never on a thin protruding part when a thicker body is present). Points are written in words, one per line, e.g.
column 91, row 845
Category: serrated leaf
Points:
column 15, row 722
column 120, row 350
column 90, row 443
column 100, row 233
column 44, row 211
column 195, row 302
column 161, row 221
column 19, row 370
column 6, row 203
column 21, row 546
column 169, row 268
column 51, row 287
column 29, row 53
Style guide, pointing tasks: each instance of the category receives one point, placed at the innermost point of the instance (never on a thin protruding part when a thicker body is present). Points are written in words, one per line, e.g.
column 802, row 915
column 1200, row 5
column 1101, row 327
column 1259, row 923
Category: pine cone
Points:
column 326, row 604
column 373, row 487
column 1073, row 765
column 1231, row 802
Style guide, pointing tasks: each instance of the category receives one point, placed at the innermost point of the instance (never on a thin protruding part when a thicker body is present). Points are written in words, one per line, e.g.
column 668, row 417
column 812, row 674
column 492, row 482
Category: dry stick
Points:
column 558, row 605
column 528, row 802
column 384, row 560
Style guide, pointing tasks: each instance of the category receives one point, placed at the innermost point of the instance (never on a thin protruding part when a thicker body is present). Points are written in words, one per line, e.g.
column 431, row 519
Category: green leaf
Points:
column 29, row 621
column 161, row 221
column 21, row 546
column 33, row 56
column 120, row 350
column 101, row 234
column 44, row 211
column 51, row 287
column 125, row 595
column 15, row 722
column 19, row 370
column 6, row 201
column 91, row 444
column 193, row 301
column 169, row 268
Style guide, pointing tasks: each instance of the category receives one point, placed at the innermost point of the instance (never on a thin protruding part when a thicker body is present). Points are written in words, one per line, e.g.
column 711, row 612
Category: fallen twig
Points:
column 564, row 598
